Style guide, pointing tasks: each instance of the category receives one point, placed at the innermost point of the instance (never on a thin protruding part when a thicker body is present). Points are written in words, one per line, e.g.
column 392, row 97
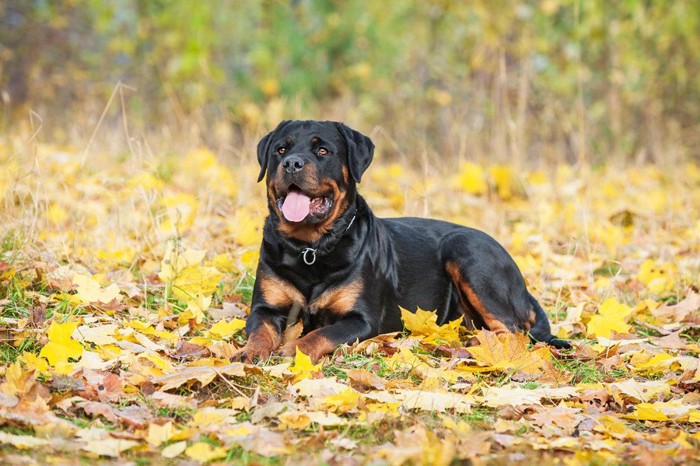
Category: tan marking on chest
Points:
column 340, row 299
column 279, row 293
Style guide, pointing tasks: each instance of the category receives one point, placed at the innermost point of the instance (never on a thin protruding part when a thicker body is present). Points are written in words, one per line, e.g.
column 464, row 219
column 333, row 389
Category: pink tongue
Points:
column 296, row 206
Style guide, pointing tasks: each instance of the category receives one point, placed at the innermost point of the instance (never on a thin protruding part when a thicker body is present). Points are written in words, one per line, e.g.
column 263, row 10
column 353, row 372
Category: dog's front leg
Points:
column 264, row 330
column 322, row 341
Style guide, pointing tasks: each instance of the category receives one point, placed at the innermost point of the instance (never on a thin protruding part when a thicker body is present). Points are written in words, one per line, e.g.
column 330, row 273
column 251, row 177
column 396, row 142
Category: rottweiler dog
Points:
column 327, row 260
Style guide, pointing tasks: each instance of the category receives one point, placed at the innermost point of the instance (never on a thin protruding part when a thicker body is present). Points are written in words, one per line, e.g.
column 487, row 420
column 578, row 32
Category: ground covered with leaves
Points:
column 125, row 284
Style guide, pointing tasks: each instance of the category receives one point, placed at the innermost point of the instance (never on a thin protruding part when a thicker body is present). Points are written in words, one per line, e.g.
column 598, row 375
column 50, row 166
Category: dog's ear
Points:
column 360, row 150
column 264, row 149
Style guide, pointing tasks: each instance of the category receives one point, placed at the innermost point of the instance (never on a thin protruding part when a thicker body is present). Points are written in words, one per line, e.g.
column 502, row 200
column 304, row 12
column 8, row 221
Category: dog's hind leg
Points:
column 490, row 286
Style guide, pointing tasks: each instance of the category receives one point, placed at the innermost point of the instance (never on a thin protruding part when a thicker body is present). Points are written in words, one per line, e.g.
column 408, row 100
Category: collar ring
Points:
column 305, row 256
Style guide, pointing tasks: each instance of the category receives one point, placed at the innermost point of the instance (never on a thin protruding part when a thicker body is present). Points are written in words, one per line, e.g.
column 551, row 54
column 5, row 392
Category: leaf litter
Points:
column 117, row 340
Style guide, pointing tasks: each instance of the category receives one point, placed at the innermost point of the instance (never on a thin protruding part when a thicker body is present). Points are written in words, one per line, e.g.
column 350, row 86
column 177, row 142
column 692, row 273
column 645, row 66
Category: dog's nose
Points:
column 293, row 164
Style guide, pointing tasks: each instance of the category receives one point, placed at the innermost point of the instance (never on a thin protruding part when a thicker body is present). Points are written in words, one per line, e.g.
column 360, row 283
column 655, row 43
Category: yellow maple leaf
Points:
column 61, row 346
column 203, row 452
column 224, row 263
column 195, row 280
column 225, row 329
column 16, row 379
column 406, row 359
column 196, row 306
column 294, row 420
column 34, row 362
column 658, row 278
column 612, row 426
column 423, row 325
column 188, row 279
column 342, row 402
column 657, row 364
column 303, row 368
column 177, row 258
column 612, row 315
column 509, row 351
column 646, row 412
column 90, row 291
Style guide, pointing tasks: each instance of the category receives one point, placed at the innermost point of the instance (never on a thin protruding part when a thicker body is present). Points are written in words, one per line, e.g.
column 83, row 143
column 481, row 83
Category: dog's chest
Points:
column 335, row 300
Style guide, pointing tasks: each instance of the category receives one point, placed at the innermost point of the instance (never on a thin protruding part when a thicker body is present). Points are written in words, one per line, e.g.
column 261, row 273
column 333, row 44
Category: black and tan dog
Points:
column 327, row 260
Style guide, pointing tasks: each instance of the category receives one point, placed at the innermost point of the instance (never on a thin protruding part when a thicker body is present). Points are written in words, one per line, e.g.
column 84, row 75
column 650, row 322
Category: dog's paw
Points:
column 288, row 349
column 251, row 354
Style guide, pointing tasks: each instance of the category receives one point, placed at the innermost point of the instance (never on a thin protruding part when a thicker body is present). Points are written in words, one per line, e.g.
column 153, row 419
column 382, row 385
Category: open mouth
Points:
column 297, row 206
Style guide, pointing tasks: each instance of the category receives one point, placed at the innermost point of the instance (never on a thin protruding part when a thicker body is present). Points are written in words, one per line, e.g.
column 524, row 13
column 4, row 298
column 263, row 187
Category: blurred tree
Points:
column 559, row 79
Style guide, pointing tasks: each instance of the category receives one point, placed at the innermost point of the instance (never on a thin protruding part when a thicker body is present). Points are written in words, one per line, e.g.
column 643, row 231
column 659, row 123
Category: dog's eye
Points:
column 323, row 151
column 282, row 150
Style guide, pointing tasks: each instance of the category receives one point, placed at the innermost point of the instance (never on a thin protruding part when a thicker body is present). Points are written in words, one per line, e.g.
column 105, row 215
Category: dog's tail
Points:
column 541, row 330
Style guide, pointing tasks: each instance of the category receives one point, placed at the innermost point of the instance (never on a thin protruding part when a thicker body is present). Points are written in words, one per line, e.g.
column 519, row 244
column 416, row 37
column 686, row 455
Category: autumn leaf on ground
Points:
column 662, row 411
column 223, row 329
column 204, row 375
column 109, row 446
column 61, row 345
column 612, row 316
column 423, row 325
column 203, row 452
column 90, row 291
column 189, row 280
column 158, row 434
column 680, row 311
column 295, row 420
column 658, row 278
column 643, row 391
column 508, row 351
column 302, row 367
column 99, row 335
column 342, row 402
column 515, row 396
column 434, row 401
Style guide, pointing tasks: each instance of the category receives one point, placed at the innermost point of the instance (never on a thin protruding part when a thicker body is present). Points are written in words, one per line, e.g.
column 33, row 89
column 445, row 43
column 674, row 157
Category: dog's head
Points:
column 312, row 168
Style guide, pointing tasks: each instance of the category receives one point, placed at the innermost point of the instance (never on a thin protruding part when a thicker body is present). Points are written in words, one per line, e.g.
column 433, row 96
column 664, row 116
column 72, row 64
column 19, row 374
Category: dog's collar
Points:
column 308, row 254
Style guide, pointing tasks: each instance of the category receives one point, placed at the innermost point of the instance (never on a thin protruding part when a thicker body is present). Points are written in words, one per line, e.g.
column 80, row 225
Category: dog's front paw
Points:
column 252, row 354
column 288, row 349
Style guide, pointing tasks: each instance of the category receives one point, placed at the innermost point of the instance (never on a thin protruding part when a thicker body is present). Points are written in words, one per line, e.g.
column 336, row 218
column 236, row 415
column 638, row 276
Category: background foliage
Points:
column 536, row 79
column 130, row 225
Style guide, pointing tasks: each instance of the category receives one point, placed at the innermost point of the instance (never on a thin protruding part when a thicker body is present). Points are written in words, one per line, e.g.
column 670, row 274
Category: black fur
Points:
column 408, row 262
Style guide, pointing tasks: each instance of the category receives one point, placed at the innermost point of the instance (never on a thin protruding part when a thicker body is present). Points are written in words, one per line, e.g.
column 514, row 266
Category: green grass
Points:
column 586, row 371
column 244, row 287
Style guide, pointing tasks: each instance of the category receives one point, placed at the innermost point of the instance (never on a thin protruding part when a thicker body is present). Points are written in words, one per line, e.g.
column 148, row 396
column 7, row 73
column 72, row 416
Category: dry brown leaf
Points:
column 203, row 375
column 362, row 379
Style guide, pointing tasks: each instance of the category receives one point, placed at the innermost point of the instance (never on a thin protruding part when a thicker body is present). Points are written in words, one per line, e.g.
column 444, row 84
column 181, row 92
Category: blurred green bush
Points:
column 522, row 79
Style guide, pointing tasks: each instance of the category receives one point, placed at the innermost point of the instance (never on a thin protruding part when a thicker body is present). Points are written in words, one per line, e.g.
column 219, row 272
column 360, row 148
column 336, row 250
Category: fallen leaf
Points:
column 203, row 375
column 203, row 452
column 303, row 368
column 173, row 450
column 90, row 291
column 508, row 351
column 61, row 347
column 612, row 316
column 109, row 447
column 423, row 325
